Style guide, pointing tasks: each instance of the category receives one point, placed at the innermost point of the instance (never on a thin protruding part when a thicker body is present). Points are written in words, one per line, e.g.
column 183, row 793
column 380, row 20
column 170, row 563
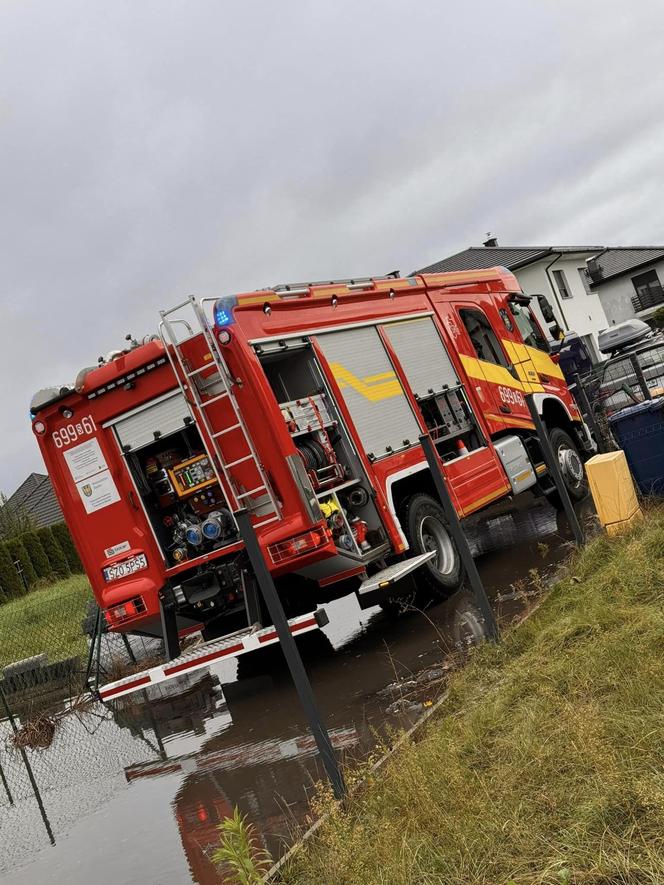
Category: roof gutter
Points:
column 553, row 288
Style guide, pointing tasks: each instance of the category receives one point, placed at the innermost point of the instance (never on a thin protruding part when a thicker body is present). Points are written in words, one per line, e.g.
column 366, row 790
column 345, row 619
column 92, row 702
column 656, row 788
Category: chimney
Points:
column 594, row 269
column 490, row 241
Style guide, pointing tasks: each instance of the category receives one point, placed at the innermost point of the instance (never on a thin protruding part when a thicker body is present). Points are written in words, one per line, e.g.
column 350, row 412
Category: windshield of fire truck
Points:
column 530, row 331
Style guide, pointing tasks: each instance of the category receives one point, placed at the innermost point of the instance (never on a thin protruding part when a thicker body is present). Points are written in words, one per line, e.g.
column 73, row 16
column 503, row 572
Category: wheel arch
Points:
column 555, row 413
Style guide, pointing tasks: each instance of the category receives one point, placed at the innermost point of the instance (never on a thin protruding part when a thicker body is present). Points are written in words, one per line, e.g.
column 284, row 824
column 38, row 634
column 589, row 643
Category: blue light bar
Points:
column 223, row 311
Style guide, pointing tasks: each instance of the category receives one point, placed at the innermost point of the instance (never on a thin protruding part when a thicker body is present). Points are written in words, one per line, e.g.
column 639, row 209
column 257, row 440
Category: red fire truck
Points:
column 302, row 404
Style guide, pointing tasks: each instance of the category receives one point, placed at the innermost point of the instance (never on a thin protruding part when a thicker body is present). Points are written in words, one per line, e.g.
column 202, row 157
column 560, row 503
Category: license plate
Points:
column 126, row 567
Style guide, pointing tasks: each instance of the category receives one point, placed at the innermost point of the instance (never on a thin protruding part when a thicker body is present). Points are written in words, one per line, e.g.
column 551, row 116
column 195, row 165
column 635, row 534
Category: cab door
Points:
column 494, row 376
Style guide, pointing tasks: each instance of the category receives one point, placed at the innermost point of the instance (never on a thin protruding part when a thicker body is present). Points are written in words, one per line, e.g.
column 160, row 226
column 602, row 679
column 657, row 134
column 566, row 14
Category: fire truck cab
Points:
column 303, row 405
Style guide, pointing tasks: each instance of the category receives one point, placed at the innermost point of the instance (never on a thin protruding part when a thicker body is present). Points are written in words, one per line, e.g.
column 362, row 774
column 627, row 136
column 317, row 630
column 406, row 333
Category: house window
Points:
column 647, row 283
column 482, row 337
column 561, row 282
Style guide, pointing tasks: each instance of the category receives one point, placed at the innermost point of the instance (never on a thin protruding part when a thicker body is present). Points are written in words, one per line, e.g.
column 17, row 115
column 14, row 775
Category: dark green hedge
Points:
column 37, row 555
column 56, row 557
column 10, row 583
column 64, row 539
column 17, row 551
column 45, row 554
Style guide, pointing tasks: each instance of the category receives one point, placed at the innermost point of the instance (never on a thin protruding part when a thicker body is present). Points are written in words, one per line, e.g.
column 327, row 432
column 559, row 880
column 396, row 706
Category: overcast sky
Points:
column 152, row 149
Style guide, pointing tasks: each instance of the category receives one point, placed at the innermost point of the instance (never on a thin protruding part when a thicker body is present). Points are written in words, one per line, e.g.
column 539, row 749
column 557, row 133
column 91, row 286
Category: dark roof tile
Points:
column 615, row 261
column 511, row 257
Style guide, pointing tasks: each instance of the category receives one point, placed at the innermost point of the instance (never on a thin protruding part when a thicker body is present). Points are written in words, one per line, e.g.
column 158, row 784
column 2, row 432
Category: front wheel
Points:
column 571, row 466
column 426, row 528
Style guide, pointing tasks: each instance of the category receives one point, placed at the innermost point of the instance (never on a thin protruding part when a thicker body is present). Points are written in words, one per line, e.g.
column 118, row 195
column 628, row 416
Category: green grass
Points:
column 45, row 620
column 546, row 762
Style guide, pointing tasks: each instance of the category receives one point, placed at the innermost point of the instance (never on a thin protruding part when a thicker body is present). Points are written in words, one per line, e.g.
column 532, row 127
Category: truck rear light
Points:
column 294, row 547
column 125, row 611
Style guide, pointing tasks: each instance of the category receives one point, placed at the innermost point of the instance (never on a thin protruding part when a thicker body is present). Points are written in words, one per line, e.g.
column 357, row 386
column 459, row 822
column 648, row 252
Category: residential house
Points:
column 628, row 281
column 554, row 275
column 36, row 497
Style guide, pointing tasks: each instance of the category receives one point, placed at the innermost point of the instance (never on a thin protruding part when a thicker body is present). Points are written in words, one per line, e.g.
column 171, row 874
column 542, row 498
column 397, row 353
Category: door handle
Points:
column 132, row 501
column 506, row 409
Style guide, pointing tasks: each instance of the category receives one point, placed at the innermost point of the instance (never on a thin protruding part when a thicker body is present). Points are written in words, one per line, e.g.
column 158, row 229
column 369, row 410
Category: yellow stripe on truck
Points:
column 494, row 374
column 544, row 364
column 372, row 387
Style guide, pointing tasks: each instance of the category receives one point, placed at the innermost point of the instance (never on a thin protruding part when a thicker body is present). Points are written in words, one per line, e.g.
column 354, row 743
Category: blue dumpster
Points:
column 639, row 430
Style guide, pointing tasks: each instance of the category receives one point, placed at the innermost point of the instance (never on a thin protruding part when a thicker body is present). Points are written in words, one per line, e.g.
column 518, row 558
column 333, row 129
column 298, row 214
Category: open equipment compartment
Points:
column 175, row 480
column 336, row 473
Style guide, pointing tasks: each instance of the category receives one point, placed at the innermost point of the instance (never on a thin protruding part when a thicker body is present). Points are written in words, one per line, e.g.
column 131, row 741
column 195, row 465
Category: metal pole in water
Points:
column 291, row 652
column 454, row 525
column 91, row 652
column 28, row 768
column 551, row 462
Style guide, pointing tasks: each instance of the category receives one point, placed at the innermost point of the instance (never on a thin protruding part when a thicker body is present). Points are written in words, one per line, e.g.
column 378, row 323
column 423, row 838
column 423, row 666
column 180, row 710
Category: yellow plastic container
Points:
column 613, row 491
column 615, row 528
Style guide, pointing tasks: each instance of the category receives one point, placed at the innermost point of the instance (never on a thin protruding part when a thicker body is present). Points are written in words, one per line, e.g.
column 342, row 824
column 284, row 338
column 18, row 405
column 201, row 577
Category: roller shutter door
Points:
column 371, row 389
column 164, row 417
column 422, row 354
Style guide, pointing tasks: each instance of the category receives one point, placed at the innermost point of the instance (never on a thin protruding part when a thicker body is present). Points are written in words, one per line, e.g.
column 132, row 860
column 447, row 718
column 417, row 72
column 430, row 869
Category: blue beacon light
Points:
column 223, row 311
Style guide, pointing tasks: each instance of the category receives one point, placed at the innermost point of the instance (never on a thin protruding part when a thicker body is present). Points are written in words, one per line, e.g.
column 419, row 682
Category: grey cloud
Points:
column 155, row 148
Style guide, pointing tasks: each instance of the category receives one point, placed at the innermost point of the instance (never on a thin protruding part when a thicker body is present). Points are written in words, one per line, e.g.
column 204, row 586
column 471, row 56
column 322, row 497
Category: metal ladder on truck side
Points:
column 265, row 506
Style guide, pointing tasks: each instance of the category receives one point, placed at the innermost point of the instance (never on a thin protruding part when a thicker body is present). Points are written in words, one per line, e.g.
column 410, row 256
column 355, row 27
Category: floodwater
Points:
column 136, row 793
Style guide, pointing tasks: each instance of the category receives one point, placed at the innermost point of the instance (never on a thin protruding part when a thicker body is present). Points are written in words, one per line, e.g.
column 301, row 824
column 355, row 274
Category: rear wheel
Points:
column 426, row 528
column 571, row 466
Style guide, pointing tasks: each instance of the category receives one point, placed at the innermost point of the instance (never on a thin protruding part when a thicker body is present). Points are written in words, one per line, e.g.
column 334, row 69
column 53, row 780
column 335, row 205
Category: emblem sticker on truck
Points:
column 122, row 547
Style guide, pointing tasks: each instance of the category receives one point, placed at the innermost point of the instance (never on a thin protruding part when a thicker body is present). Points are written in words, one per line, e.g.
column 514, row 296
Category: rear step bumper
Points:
column 382, row 584
column 209, row 653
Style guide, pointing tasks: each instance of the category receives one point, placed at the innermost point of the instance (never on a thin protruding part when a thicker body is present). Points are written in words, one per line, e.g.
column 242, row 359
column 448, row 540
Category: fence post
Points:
column 6, row 785
column 291, row 652
column 551, row 462
column 28, row 768
column 474, row 579
column 19, row 570
column 640, row 377
column 582, row 396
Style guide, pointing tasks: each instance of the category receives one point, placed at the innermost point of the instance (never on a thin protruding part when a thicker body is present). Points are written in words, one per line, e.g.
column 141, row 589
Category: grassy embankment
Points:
column 546, row 762
column 45, row 620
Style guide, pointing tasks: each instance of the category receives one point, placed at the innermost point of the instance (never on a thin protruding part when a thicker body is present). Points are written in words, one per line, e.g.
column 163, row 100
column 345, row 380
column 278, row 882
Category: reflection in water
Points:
column 217, row 779
column 176, row 760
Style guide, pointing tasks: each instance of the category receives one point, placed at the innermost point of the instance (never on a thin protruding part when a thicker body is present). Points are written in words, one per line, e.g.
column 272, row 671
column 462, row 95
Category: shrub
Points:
column 18, row 552
column 10, row 583
column 37, row 555
column 64, row 539
column 54, row 552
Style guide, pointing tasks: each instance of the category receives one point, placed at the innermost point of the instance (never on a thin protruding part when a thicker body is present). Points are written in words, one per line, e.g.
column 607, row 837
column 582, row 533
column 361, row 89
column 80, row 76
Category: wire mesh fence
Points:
column 56, row 768
column 621, row 381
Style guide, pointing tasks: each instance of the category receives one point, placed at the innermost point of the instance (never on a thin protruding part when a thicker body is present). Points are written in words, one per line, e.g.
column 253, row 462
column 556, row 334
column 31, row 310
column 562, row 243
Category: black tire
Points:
column 571, row 465
column 426, row 528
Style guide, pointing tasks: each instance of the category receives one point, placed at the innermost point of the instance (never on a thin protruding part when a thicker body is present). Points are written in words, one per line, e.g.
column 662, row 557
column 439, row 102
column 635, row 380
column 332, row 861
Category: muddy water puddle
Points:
column 136, row 793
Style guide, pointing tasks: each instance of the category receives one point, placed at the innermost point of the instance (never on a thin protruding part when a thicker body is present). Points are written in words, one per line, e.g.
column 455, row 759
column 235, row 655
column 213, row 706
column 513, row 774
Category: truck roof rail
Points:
column 350, row 282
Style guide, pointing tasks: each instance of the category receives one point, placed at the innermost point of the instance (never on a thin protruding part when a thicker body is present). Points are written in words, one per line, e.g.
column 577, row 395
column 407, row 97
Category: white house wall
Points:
column 583, row 312
column 616, row 295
